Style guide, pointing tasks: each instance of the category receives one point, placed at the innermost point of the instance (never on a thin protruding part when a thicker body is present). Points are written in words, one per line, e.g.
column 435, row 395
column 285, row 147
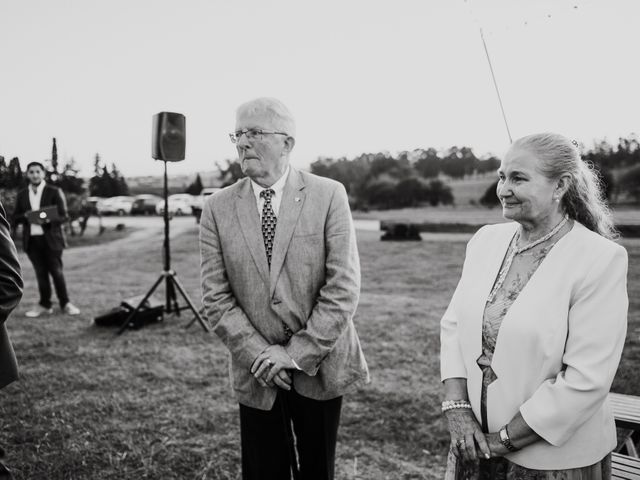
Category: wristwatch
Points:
column 506, row 440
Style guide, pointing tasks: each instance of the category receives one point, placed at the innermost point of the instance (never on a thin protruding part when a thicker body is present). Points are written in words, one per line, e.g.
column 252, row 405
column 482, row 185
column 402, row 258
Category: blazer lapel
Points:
column 249, row 220
column 486, row 279
column 47, row 196
column 290, row 207
column 44, row 198
column 530, row 292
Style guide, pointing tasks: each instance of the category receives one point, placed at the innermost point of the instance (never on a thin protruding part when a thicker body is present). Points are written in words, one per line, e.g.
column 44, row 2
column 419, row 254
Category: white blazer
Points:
column 558, row 347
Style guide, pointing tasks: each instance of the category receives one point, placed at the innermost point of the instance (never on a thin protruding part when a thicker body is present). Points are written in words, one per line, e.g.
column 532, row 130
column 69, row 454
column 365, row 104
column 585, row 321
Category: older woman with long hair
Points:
column 533, row 335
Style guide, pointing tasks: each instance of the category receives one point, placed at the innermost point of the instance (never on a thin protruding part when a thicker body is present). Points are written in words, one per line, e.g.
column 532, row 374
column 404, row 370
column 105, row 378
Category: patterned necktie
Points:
column 269, row 221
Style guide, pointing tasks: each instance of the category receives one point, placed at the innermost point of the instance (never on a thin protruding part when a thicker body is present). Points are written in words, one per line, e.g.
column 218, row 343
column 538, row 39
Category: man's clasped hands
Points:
column 271, row 367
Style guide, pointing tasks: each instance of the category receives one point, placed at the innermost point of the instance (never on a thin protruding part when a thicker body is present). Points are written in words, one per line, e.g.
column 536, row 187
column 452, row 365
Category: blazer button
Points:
column 276, row 301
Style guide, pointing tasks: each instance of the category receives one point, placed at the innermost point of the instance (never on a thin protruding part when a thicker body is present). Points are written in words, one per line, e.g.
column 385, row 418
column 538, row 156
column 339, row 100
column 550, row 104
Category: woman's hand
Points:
column 467, row 440
column 495, row 445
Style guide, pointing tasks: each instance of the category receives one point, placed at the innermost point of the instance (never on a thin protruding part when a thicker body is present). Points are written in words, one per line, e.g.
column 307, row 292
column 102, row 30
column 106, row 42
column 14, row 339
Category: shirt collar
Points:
column 277, row 187
column 39, row 188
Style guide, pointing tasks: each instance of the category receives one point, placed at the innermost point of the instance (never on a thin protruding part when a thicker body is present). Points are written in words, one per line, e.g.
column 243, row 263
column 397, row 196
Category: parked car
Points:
column 120, row 205
column 145, row 204
column 179, row 204
column 198, row 204
column 92, row 205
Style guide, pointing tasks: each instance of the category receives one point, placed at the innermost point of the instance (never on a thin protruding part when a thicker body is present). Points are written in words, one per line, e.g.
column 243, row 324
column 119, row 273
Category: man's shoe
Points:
column 39, row 311
column 71, row 309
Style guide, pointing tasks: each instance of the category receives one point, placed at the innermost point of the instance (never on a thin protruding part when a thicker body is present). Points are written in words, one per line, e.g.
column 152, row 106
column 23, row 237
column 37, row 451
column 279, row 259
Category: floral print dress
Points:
column 522, row 269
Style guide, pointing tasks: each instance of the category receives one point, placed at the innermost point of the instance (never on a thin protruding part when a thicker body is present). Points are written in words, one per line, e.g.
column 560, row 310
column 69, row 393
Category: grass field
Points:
column 90, row 237
column 471, row 189
column 155, row 403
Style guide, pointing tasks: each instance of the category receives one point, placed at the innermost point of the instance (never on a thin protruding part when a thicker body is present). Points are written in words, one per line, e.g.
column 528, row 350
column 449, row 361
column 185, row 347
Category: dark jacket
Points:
column 53, row 231
column 10, row 295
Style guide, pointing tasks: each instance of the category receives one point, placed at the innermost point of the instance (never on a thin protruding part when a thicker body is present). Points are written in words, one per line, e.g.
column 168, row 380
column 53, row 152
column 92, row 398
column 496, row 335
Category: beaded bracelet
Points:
column 455, row 404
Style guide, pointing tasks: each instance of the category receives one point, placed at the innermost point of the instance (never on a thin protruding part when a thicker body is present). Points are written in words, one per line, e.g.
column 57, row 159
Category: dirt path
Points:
column 147, row 229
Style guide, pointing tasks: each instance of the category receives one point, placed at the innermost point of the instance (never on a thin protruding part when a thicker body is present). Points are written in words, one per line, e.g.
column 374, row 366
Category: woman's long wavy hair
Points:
column 584, row 200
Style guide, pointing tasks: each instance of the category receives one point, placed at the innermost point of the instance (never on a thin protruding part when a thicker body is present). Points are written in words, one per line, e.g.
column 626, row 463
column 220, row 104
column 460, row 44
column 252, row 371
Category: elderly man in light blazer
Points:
column 281, row 281
column 10, row 295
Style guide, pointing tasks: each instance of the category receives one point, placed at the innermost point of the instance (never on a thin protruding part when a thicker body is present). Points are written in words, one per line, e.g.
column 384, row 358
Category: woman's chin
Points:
column 510, row 213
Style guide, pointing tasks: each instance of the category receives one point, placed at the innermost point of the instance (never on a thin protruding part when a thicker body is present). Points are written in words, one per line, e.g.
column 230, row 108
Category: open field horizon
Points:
column 469, row 214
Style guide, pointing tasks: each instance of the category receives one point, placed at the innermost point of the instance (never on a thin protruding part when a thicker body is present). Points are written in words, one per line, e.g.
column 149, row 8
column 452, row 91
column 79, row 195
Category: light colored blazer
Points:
column 313, row 286
column 558, row 347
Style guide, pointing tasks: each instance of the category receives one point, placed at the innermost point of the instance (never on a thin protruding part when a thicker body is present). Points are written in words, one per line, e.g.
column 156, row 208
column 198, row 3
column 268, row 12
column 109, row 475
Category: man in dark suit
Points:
column 44, row 242
column 281, row 282
column 10, row 295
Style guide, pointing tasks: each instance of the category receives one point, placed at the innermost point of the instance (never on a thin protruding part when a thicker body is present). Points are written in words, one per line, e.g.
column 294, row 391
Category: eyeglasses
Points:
column 252, row 134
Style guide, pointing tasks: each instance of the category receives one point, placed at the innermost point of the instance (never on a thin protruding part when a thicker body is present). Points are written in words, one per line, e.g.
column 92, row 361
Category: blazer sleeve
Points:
column 338, row 297
column 10, row 273
column 230, row 322
column 451, row 360
column 597, row 325
column 61, row 204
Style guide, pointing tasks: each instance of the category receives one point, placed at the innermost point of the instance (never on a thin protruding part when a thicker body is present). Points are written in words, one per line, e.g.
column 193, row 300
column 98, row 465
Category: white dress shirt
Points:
column 34, row 200
column 276, row 198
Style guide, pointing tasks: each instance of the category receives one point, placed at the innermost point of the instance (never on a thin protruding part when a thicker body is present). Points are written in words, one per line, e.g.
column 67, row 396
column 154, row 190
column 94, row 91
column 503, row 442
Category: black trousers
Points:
column 47, row 262
column 266, row 442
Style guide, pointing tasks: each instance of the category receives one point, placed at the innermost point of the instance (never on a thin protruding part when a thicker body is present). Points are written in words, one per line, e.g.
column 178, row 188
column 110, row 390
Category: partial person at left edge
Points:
column 10, row 295
column 44, row 241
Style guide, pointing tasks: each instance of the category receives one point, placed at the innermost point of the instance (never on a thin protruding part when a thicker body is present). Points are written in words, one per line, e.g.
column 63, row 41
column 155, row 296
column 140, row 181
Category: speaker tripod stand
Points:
column 170, row 278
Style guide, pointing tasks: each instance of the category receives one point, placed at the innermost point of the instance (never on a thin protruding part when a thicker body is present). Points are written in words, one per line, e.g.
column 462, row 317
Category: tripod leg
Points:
column 172, row 299
column 192, row 321
column 191, row 306
column 124, row 325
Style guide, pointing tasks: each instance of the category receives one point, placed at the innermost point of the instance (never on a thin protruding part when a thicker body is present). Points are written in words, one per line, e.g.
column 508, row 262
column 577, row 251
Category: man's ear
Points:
column 289, row 143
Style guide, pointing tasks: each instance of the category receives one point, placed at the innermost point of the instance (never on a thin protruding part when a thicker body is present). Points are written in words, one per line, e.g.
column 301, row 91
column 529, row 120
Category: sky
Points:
column 358, row 75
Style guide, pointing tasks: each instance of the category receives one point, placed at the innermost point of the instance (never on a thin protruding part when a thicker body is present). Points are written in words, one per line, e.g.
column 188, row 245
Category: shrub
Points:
column 490, row 198
column 630, row 183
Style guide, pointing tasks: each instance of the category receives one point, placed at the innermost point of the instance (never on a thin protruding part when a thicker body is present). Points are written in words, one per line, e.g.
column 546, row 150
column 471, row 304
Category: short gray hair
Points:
column 584, row 200
column 273, row 109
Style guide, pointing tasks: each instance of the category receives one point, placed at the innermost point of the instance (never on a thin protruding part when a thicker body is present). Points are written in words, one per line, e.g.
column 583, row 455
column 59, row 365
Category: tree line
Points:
column 619, row 166
column 372, row 180
column 410, row 179
column 383, row 181
column 105, row 182
column 419, row 177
